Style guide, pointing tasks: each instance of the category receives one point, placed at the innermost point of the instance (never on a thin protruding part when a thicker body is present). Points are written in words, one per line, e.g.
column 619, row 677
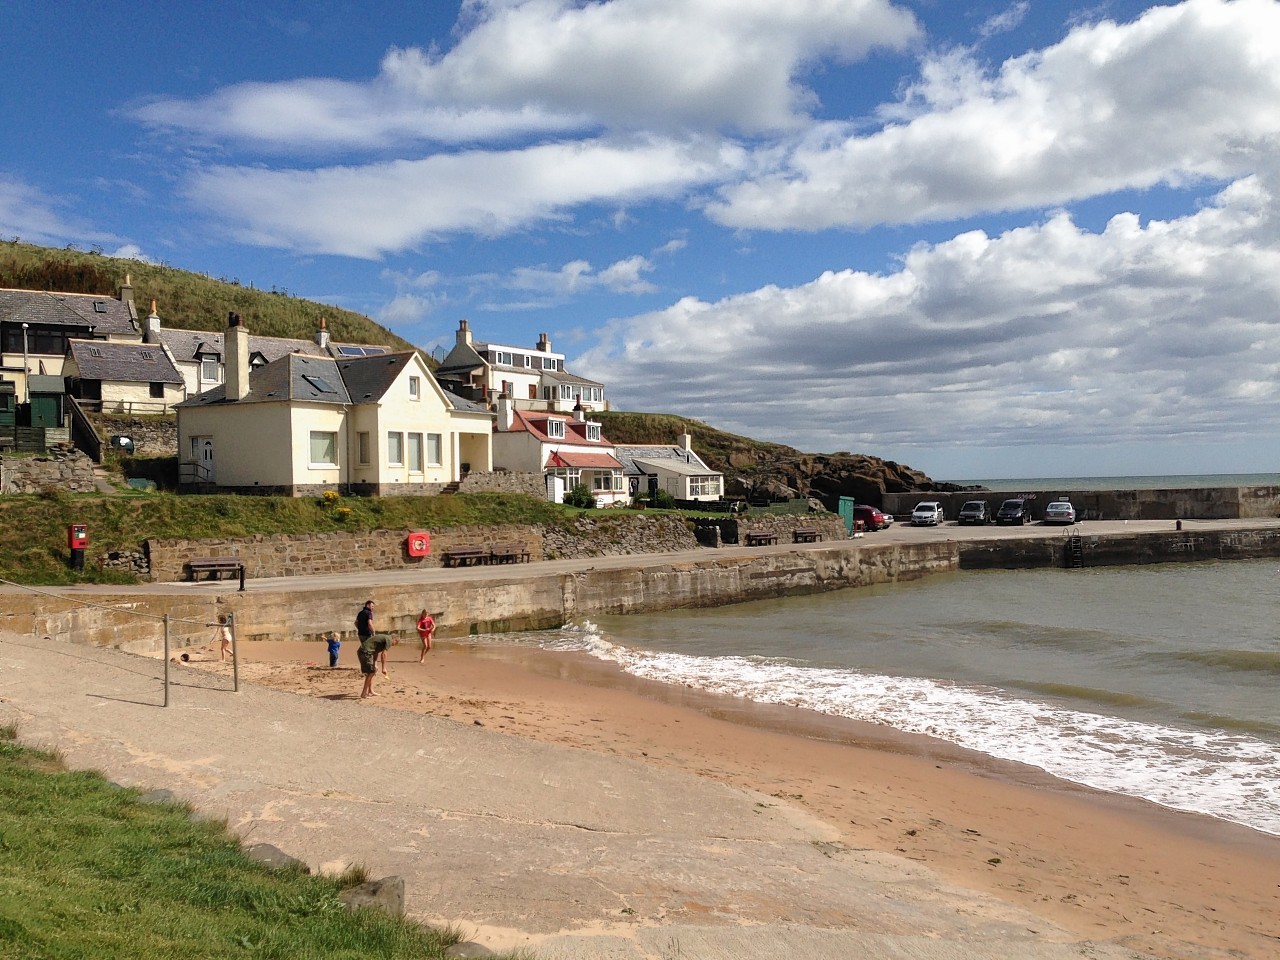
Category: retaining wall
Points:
column 1120, row 549
column 1191, row 503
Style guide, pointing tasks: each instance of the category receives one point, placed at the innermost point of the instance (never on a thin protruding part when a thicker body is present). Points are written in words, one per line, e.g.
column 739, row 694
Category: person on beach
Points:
column 426, row 630
column 371, row 648
column 364, row 621
column 335, row 645
column 222, row 634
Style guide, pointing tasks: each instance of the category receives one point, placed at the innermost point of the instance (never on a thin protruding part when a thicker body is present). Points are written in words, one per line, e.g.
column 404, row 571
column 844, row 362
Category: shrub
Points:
column 662, row 500
column 580, row 496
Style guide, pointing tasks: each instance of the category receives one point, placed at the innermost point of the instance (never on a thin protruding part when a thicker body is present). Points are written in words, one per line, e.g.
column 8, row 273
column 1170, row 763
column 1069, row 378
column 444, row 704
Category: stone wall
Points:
column 154, row 436
column 734, row 529
column 1120, row 549
column 592, row 535
column 503, row 481
column 1191, row 503
column 69, row 470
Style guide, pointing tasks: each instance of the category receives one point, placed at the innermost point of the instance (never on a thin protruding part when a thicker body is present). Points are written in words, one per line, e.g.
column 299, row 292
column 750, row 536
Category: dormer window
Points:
column 528, row 360
column 593, row 432
column 555, row 429
column 209, row 369
column 502, row 357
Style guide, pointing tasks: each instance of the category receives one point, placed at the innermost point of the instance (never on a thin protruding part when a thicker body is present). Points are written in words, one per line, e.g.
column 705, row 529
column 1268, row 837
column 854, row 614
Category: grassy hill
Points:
column 186, row 300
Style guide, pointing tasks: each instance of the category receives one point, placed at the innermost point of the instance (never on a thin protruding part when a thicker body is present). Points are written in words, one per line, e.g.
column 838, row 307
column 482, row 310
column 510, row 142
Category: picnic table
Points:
column 509, row 553
column 464, row 556
column 760, row 539
column 215, row 567
column 805, row 536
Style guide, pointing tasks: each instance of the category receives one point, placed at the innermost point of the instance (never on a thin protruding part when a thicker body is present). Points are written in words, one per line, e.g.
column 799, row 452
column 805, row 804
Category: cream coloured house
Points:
column 304, row 424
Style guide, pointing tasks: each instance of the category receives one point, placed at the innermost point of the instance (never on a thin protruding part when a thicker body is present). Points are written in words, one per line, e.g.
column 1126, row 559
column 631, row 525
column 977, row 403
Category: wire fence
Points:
column 227, row 620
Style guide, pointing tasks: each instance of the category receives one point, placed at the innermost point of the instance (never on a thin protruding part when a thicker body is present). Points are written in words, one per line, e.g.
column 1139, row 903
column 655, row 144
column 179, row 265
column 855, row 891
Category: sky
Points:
column 1016, row 238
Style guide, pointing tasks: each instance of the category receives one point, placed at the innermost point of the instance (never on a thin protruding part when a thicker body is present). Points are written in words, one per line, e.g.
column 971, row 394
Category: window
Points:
column 324, row 448
column 95, row 352
column 502, row 356
column 528, row 360
column 157, row 391
column 593, row 432
column 704, row 486
column 555, row 429
column 566, row 392
column 209, row 369
column 395, row 449
column 148, row 355
column 548, row 363
column 606, row 482
column 415, row 453
column 415, row 388
column 434, row 449
column 362, row 446
column 508, row 388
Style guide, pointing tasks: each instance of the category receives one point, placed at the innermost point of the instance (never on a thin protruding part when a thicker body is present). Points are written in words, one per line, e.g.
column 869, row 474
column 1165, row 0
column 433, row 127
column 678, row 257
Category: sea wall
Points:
column 517, row 597
column 1190, row 503
column 1119, row 549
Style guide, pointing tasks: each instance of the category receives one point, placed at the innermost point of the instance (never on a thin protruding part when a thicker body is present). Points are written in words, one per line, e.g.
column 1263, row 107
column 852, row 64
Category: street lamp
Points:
column 26, row 368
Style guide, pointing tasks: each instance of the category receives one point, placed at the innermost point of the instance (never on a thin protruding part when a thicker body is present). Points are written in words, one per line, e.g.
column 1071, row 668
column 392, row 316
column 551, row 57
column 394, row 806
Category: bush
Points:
column 662, row 500
column 580, row 496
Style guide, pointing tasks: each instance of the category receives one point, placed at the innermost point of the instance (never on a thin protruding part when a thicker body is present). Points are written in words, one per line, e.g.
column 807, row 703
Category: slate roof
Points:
column 368, row 378
column 292, row 377
column 123, row 361
column 461, row 359
column 103, row 315
column 560, row 376
column 186, row 345
column 672, row 457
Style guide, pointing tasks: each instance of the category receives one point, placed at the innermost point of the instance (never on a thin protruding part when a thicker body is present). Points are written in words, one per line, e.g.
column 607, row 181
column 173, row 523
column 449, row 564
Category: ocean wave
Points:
column 1223, row 774
column 1238, row 661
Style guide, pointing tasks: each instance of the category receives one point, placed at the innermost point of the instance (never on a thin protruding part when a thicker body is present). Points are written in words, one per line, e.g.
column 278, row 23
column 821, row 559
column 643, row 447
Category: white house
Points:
column 567, row 450
column 303, row 424
column 674, row 468
column 534, row 379
column 122, row 376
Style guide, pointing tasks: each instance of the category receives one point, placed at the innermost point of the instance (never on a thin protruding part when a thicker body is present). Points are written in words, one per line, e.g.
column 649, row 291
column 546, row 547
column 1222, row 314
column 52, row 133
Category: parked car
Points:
column 975, row 511
column 1060, row 511
column 1015, row 510
column 872, row 519
column 927, row 514
column 888, row 518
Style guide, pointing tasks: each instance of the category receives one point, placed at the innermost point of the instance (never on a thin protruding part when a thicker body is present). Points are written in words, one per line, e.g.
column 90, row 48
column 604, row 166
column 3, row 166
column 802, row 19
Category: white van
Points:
column 927, row 514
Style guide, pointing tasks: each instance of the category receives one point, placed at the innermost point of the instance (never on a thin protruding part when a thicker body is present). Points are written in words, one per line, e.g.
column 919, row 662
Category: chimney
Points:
column 126, row 293
column 579, row 413
column 322, row 335
column 151, row 332
column 237, row 358
column 505, row 415
column 544, row 343
column 464, row 333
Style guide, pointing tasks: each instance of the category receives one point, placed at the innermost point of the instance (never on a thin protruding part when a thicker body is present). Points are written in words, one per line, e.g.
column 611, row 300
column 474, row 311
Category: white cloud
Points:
column 556, row 66
column 578, row 276
column 30, row 215
column 365, row 211
column 1044, row 334
column 1006, row 20
column 1183, row 94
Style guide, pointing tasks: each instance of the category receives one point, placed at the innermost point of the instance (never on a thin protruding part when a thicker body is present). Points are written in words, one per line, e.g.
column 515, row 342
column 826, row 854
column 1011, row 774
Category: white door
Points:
column 206, row 460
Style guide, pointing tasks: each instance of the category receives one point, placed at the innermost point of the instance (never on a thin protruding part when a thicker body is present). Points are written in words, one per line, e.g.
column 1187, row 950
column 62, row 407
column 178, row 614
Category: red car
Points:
column 872, row 519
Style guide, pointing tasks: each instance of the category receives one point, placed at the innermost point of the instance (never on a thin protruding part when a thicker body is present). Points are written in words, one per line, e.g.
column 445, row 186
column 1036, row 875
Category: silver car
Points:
column 927, row 514
column 1060, row 511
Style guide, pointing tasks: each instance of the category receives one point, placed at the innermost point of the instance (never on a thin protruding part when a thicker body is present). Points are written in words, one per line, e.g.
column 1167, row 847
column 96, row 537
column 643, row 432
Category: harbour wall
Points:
column 524, row 597
column 1188, row 503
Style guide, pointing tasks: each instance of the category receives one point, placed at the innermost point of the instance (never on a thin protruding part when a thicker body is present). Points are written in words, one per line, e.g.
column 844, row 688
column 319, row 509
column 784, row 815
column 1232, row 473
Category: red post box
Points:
column 77, row 536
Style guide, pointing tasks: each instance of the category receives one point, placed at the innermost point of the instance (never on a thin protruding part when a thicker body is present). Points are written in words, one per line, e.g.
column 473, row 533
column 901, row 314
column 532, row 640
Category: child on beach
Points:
column 426, row 630
column 335, row 645
column 223, row 635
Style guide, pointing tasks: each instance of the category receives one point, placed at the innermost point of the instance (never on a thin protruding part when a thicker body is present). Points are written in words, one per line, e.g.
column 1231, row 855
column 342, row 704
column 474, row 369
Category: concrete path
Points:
column 572, row 854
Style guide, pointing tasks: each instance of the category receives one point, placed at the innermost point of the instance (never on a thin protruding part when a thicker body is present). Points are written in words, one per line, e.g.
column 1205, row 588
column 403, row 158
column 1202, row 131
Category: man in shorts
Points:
column 371, row 648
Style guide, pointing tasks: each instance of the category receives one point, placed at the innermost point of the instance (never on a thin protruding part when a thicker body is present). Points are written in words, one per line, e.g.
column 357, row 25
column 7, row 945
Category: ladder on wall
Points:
column 1075, row 552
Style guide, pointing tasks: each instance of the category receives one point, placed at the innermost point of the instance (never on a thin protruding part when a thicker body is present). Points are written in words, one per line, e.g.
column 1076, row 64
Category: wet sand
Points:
column 1108, row 868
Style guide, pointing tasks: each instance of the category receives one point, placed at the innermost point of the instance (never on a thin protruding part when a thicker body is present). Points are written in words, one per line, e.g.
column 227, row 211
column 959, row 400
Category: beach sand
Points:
column 1108, row 868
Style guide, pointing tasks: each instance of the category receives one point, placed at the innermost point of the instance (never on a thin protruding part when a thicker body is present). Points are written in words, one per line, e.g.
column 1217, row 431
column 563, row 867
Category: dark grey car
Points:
column 975, row 511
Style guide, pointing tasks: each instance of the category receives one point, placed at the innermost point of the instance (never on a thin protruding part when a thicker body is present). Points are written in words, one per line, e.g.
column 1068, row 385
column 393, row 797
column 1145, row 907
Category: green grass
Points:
column 86, row 870
column 33, row 527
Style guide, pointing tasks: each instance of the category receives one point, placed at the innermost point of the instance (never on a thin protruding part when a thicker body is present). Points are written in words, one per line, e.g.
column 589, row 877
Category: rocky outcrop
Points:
column 824, row 477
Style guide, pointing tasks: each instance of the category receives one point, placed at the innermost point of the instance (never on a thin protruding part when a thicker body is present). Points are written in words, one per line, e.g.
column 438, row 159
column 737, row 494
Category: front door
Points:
column 205, row 456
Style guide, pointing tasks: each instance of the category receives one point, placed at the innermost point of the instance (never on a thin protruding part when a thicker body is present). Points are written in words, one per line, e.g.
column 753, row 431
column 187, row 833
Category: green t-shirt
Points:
column 376, row 644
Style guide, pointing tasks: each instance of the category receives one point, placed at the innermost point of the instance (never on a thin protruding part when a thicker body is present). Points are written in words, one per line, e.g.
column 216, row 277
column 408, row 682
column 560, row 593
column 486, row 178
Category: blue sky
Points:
column 1015, row 238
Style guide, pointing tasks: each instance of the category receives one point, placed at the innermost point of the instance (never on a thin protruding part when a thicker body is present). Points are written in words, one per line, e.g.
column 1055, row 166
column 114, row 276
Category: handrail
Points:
column 83, row 434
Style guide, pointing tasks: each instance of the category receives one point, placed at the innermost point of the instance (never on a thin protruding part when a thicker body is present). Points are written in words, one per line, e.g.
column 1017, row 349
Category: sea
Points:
column 1159, row 682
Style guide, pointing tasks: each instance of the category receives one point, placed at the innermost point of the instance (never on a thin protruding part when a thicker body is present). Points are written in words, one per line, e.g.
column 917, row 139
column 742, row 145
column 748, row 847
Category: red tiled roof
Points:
column 594, row 461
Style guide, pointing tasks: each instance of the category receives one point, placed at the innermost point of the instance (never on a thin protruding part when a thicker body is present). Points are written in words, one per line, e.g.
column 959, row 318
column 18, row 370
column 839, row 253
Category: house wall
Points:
column 517, row 451
column 302, row 419
column 129, row 396
column 251, row 442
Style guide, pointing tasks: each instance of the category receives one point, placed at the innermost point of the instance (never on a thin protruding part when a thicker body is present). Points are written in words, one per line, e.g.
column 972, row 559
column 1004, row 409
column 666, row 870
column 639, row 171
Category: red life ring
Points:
column 418, row 543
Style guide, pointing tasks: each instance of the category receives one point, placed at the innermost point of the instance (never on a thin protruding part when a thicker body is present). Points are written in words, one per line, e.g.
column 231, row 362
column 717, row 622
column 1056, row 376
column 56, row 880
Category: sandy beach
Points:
column 1105, row 867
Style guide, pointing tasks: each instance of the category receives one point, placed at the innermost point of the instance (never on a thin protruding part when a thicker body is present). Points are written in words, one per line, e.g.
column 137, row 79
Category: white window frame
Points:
column 395, row 448
column 593, row 432
column 528, row 361
column 328, row 438
column 415, row 388
column 435, row 450
column 209, row 370
column 555, row 429
column 413, row 452
column 362, row 447
column 548, row 363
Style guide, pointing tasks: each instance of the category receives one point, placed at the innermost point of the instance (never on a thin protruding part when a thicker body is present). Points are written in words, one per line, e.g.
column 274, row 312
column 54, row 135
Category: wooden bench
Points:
column 215, row 567
column 508, row 553
column 805, row 536
column 761, row 539
column 464, row 556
